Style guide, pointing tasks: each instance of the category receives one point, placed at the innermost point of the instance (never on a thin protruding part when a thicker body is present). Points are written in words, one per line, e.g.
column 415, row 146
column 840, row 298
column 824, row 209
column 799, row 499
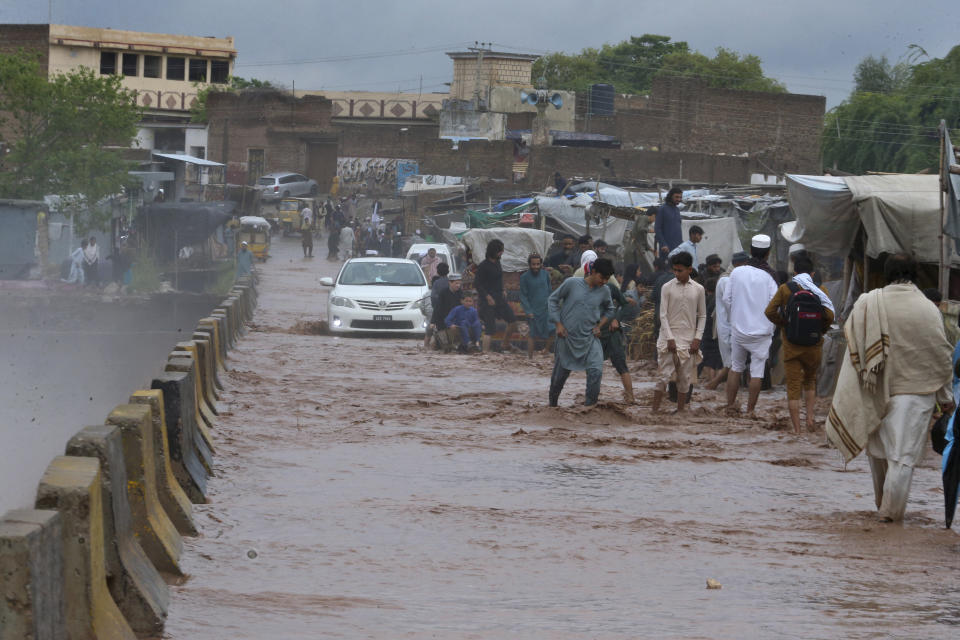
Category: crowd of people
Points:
column 712, row 324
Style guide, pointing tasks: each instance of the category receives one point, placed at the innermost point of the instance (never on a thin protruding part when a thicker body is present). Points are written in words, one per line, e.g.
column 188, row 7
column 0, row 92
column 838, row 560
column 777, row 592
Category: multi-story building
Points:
column 166, row 72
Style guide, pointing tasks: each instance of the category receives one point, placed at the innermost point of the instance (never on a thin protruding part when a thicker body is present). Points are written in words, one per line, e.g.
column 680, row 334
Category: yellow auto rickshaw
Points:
column 289, row 218
column 255, row 231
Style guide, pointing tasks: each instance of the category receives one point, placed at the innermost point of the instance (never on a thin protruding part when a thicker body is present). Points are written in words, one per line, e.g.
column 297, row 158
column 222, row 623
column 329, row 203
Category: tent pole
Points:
column 944, row 255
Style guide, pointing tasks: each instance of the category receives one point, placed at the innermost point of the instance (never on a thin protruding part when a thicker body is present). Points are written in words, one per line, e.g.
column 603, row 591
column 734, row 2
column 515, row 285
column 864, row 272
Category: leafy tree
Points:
column 889, row 122
column 632, row 65
column 877, row 75
column 726, row 70
column 199, row 110
column 59, row 134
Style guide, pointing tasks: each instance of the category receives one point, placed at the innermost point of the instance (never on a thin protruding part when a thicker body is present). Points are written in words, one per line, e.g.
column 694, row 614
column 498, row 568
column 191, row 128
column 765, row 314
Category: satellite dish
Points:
column 556, row 100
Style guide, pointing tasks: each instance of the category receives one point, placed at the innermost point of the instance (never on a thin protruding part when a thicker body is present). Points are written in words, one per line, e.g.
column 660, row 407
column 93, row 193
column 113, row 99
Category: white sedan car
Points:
column 378, row 295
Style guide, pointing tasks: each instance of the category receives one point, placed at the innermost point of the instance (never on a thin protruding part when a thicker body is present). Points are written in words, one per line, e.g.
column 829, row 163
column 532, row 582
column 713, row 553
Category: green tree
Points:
column 198, row 112
column 889, row 122
column 726, row 70
column 60, row 132
column 632, row 65
column 877, row 75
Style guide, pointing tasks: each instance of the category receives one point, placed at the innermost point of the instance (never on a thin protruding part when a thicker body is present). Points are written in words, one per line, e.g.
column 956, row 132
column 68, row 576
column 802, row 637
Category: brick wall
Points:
column 277, row 123
column 605, row 164
column 30, row 37
column 778, row 131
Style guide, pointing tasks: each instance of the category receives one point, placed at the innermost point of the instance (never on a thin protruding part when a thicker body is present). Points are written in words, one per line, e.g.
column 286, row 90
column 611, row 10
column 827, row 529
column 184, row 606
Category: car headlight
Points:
column 340, row 301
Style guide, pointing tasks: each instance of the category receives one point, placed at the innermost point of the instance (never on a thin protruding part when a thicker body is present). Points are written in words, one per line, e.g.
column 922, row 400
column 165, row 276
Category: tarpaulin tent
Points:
column 169, row 226
column 897, row 213
column 720, row 236
column 518, row 243
column 570, row 214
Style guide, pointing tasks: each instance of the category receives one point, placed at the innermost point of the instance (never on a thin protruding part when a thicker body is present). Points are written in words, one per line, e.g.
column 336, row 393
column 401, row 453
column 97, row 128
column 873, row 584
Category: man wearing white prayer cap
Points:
column 796, row 248
column 750, row 289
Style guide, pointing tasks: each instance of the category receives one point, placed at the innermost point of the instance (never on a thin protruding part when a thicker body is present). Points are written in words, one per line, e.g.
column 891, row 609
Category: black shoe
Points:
column 461, row 349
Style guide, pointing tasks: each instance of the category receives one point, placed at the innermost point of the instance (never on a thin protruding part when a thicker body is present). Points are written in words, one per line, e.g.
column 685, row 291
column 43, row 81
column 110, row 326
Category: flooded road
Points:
column 368, row 489
column 68, row 358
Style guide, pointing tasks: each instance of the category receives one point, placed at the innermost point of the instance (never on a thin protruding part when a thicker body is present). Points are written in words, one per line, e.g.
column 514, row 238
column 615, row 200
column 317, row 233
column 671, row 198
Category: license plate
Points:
column 383, row 317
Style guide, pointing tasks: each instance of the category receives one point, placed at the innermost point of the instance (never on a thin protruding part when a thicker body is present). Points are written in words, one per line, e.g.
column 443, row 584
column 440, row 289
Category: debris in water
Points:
column 713, row 584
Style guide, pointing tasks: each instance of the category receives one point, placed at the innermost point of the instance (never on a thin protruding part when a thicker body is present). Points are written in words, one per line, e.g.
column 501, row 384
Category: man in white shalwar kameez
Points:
column 898, row 367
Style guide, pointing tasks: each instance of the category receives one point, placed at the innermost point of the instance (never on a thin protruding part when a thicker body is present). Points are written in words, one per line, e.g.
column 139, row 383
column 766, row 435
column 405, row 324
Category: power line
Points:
column 355, row 56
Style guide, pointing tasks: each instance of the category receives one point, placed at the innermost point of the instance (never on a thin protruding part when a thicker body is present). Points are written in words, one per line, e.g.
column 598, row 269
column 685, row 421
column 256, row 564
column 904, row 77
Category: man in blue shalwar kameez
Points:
column 534, row 293
column 580, row 308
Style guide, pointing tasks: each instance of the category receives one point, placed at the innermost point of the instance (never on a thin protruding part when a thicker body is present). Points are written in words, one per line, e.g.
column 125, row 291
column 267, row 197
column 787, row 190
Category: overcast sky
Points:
column 812, row 46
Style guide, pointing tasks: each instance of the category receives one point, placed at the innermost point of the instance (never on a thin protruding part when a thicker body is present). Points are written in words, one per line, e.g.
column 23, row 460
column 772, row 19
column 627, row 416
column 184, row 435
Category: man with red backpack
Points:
column 804, row 312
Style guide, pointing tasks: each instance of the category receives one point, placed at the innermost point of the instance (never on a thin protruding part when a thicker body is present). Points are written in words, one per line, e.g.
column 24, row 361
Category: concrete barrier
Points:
column 186, row 361
column 204, row 344
column 86, row 564
column 172, row 497
column 71, row 485
column 31, row 576
column 134, row 583
column 152, row 526
column 208, row 327
column 232, row 303
column 194, row 349
column 221, row 316
column 178, row 390
column 218, row 326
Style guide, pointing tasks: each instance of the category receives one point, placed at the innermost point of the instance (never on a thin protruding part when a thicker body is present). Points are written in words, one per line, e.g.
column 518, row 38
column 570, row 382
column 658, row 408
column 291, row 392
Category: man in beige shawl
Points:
column 896, row 370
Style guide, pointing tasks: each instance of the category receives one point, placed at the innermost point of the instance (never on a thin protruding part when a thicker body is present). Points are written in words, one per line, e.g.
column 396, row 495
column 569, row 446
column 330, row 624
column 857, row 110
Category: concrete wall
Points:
column 461, row 123
column 507, row 100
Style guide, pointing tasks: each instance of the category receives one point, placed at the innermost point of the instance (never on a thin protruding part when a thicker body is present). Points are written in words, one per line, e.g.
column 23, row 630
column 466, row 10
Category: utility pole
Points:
column 479, row 49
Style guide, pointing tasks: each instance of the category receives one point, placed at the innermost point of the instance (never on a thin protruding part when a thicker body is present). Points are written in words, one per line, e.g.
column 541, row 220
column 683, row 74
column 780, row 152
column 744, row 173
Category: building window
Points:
column 198, row 152
column 219, row 71
column 130, row 64
column 198, row 70
column 176, row 67
column 108, row 63
column 151, row 66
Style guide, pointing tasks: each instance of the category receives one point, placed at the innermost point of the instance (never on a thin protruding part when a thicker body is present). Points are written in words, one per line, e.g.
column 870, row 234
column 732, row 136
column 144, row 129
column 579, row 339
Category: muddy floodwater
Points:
column 366, row 488
column 67, row 358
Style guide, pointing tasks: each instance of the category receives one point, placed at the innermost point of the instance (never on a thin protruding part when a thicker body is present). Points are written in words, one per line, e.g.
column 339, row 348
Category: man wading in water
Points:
column 581, row 307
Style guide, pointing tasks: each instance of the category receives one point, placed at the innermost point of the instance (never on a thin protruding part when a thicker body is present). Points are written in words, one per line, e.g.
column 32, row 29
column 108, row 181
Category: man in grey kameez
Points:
column 581, row 307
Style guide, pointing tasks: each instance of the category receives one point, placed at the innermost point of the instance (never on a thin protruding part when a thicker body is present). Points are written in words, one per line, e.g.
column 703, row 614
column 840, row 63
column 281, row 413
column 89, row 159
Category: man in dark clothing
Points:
column 559, row 182
column 667, row 227
column 447, row 299
column 493, row 299
column 663, row 275
column 567, row 259
column 612, row 341
column 584, row 243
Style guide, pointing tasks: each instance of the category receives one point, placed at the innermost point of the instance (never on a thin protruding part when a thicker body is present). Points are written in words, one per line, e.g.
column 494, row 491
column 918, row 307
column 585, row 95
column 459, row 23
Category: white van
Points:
column 417, row 251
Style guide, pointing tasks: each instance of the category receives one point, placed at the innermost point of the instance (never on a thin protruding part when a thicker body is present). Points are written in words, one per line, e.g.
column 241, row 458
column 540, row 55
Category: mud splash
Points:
column 394, row 493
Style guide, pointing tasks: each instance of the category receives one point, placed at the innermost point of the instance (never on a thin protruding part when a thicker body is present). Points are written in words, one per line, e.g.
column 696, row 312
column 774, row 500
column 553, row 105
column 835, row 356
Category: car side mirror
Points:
column 326, row 281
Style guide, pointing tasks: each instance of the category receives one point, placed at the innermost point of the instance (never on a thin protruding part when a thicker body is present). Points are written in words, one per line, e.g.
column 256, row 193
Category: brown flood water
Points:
column 368, row 489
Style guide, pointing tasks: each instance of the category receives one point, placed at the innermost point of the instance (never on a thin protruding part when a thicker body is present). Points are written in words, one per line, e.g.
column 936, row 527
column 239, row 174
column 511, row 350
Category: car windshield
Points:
column 397, row 274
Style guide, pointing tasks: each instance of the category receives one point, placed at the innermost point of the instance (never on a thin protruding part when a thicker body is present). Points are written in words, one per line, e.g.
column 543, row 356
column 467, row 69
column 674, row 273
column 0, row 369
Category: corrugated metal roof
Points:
column 186, row 158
